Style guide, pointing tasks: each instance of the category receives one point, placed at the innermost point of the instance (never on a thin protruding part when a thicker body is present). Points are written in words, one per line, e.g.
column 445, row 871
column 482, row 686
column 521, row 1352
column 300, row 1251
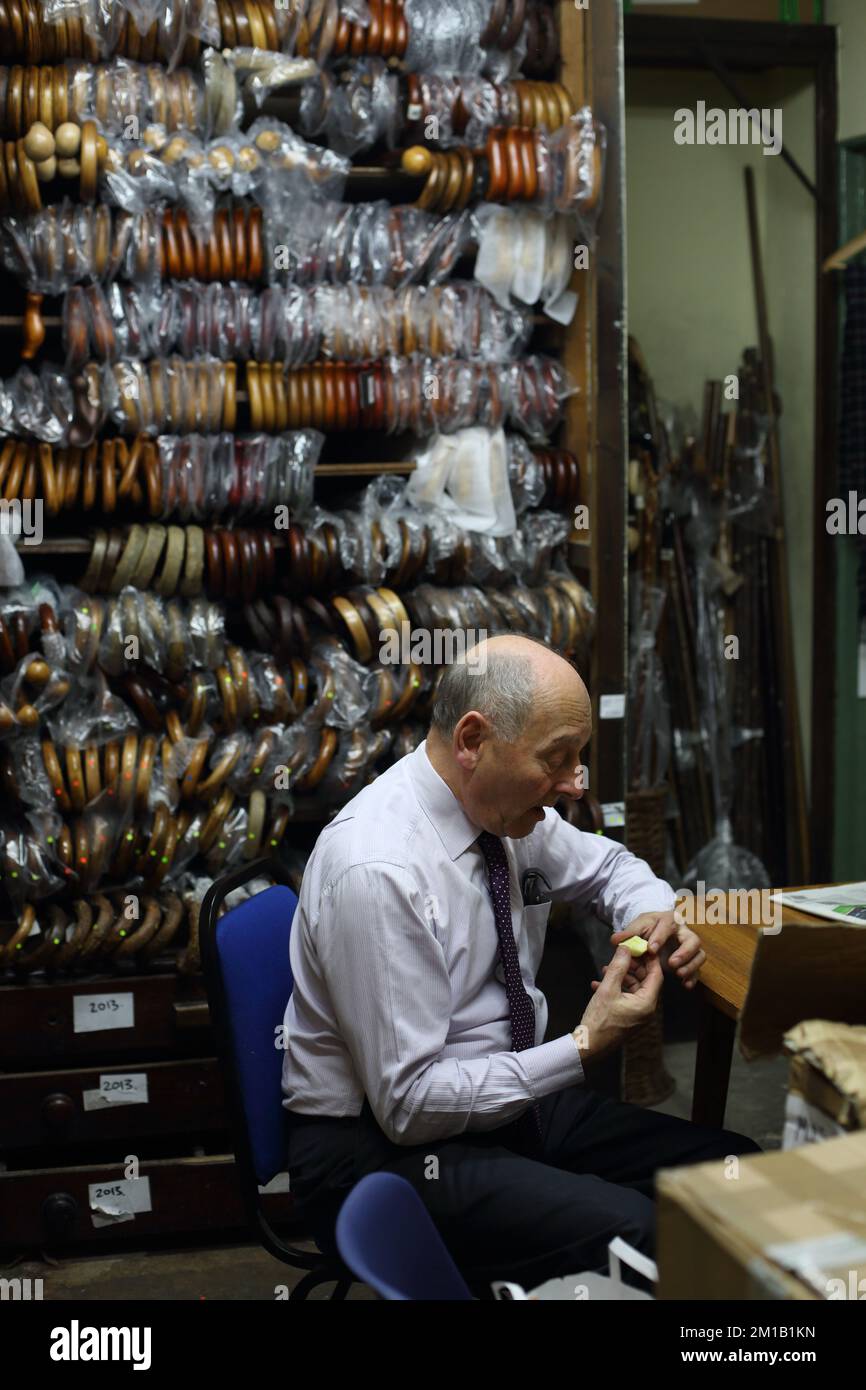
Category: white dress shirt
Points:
column 399, row 993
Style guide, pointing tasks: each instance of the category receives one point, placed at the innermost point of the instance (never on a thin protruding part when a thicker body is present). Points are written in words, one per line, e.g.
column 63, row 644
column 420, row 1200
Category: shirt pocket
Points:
column 535, row 930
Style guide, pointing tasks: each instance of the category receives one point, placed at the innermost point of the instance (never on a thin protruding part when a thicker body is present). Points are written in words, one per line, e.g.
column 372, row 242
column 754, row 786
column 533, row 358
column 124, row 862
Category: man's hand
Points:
column 675, row 945
column 614, row 1008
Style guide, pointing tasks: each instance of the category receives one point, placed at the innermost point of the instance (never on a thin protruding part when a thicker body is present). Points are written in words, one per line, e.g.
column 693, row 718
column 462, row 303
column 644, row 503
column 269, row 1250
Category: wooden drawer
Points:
column 52, row 1206
column 162, row 1014
column 66, row 1107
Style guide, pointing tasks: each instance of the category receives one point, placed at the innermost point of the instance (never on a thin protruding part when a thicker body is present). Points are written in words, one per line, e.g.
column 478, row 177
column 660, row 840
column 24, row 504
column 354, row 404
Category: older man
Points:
column 416, row 1030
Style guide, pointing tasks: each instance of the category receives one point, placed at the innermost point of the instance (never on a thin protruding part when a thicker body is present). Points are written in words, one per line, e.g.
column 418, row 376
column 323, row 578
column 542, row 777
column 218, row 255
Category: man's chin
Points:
column 525, row 824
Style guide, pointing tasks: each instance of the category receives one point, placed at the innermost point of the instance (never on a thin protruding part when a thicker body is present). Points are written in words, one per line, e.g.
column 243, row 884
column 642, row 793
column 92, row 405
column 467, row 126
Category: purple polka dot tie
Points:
column 520, row 1006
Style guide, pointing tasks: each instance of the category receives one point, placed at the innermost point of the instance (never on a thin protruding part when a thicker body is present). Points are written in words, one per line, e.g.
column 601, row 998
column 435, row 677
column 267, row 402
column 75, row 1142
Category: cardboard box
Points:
column 827, row 1082
column 789, row 1226
column 767, row 11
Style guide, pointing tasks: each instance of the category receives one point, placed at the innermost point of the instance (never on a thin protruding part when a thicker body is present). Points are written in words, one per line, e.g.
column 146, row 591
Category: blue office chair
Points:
column 245, row 959
column 387, row 1238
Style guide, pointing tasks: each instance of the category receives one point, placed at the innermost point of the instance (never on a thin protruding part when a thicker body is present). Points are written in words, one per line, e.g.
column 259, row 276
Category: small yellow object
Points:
column 636, row 945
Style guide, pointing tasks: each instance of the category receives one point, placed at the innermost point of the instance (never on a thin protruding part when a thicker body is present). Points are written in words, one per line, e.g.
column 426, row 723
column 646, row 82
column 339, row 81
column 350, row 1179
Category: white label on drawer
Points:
column 611, row 707
column 93, row 1013
column 129, row 1088
column 111, row 1202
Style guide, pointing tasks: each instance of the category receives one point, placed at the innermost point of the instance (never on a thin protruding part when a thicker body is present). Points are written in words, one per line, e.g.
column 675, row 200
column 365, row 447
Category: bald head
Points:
column 508, row 679
column 510, row 722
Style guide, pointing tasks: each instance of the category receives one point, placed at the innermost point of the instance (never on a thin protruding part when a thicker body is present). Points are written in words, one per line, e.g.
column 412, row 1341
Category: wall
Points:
column 690, row 295
column 850, row 16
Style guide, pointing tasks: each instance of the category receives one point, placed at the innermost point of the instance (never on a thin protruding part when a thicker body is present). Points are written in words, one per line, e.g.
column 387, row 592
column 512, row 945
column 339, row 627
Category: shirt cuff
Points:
column 658, row 897
column 552, row 1066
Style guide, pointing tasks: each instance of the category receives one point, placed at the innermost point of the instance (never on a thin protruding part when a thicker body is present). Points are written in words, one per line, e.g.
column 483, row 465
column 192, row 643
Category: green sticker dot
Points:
column 121, row 933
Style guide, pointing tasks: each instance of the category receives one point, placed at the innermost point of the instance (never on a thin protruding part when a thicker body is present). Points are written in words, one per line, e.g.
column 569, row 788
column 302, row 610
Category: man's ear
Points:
column 469, row 738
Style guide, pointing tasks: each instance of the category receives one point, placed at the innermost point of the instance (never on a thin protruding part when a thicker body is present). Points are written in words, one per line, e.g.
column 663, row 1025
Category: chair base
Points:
column 325, row 1275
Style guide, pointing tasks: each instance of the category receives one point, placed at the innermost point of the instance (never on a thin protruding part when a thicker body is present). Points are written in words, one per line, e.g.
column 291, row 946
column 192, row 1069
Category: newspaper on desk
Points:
column 846, row 901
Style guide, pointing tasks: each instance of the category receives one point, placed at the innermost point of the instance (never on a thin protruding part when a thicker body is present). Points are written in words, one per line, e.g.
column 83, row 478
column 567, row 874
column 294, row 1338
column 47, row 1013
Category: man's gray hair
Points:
column 502, row 688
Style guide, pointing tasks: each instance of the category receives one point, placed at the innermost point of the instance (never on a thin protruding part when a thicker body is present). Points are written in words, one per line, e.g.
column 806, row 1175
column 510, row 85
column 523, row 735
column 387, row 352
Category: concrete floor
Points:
column 755, row 1108
column 756, row 1095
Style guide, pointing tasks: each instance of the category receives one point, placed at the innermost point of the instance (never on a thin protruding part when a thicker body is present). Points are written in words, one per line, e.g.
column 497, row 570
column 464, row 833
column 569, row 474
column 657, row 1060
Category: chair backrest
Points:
column 249, row 979
column 387, row 1238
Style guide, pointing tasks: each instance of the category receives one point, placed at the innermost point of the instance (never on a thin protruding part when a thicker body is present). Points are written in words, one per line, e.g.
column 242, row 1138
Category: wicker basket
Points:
column 644, row 1078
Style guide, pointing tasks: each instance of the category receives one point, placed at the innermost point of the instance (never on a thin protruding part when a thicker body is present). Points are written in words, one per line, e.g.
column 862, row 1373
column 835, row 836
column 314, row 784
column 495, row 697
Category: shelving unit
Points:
column 60, row 1150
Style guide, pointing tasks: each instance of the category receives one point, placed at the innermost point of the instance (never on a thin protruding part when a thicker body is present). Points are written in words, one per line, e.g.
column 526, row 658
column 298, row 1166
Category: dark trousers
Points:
column 507, row 1209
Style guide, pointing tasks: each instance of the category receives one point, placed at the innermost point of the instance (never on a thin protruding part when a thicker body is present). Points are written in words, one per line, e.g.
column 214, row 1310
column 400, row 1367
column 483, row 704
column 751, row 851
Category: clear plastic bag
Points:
column 525, row 475
column 30, row 868
column 527, row 256
column 537, row 388
column 265, row 71
column 577, row 153
column 357, row 113
column 445, row 35
column 720, row 864
column 363, row 243
column 351, row 683
column 40, row 407
column 179, row 24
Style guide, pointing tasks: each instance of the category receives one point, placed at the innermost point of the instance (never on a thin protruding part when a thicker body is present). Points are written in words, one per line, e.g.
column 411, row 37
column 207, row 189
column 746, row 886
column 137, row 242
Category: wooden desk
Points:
column 767, row 983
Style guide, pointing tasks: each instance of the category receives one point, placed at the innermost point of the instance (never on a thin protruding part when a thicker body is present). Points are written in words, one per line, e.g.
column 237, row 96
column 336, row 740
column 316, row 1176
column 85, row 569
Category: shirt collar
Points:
column 445, row 813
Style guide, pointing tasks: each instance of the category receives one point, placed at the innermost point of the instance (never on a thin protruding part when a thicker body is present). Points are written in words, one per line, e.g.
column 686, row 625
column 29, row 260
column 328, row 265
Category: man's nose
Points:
column 569, row 787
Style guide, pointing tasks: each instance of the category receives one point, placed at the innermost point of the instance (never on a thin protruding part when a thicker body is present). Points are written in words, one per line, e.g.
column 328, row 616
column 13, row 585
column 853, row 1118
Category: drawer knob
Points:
column 58, row 1111
column 59, row 1212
